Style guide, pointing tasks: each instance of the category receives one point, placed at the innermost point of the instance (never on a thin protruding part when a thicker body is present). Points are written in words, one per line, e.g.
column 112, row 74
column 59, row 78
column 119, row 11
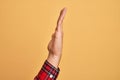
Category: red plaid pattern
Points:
column 47, row 72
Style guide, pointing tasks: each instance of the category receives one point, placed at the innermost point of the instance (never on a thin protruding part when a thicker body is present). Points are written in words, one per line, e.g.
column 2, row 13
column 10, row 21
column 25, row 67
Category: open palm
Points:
column 55, row 44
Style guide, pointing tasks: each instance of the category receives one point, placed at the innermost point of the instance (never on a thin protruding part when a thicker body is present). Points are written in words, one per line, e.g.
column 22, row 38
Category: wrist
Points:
column 54, row 59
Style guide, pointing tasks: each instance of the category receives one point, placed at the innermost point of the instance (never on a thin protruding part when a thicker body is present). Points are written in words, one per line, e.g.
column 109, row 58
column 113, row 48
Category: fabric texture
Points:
column 47, row 72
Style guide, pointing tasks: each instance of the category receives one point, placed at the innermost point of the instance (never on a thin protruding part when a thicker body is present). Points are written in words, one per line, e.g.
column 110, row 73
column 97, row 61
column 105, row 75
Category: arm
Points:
column 50, row 69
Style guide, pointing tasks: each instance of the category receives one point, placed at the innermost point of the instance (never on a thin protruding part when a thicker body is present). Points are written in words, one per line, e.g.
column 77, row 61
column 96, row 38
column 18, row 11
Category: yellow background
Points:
column 91, row 38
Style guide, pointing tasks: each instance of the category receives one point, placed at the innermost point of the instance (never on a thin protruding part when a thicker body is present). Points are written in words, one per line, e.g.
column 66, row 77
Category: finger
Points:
column 60, row 19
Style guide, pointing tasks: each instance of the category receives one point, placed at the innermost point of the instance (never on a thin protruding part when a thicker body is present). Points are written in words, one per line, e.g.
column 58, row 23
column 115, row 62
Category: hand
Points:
column 56, row 43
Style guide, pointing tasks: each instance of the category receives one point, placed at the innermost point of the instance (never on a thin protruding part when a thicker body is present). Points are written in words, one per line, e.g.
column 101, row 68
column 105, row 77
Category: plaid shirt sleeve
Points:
column 47, row 72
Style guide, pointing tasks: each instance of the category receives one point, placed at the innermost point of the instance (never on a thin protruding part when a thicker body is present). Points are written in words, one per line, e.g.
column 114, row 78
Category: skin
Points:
column 56, row 43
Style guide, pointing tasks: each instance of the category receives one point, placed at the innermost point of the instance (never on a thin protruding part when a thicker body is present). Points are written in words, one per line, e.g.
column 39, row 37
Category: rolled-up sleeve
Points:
column 47, row 72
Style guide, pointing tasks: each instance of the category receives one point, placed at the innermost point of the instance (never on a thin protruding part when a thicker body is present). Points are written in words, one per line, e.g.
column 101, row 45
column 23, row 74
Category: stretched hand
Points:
column 56, row 42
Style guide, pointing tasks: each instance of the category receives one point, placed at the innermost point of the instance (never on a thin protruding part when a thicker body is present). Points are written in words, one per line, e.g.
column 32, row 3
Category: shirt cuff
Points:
column 47, row 72
column 50, row 69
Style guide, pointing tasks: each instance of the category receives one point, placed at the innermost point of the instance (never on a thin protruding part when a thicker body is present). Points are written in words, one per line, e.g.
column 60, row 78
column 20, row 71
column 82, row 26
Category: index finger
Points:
column 60, row 19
